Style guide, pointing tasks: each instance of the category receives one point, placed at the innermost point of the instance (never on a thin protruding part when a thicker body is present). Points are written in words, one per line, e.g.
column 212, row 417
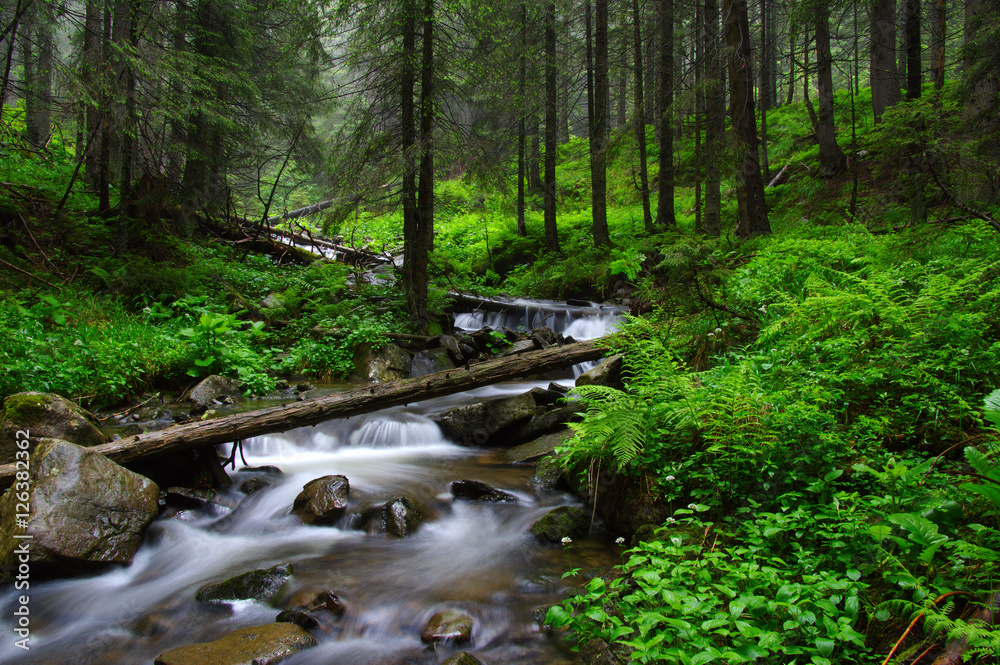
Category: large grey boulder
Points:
column 474, row 490
column 322, row 501
column 213, row 391
column 44, row 416
column 389, row 363
column 607, row 373
column 257, row 645
column 487, row 422
column 82, row 509
column 429, row 361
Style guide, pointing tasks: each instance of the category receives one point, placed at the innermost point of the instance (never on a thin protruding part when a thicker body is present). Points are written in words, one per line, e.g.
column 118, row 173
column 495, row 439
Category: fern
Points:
column 616, row 423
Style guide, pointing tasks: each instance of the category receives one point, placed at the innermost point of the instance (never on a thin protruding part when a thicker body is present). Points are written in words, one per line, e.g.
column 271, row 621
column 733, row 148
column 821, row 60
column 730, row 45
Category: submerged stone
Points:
column 257, row 645
column 562, row 522
column 322, row 501
column 448, row 626
column 473, row 490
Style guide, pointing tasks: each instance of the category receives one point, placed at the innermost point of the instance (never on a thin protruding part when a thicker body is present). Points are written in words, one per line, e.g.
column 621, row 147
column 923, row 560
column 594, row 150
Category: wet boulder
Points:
column 547, row 422
column 597, row 652
column 388, row 363
column 261, row 585
column 450, row 344
column 429, row 361
column 562, row 522
column 398, row 518
column 521, row 346
column 213, row 391
column 260, row 645
column 44, row 416
column 298, row 617
column 253, row 485
column 607, row 373
column 540, row 447
column 448, row 626
column 322, row 501
column 487, row 422
column 83, row 510
column 473, row 490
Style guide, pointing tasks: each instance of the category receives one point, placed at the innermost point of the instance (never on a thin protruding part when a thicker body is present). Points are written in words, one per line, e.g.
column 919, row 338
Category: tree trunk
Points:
column 699, row 112
column 766, row 57
column 342, row 405
column 640, row 119
column 411, row 223
column 425, row 185
column 551, row 100
column 127, row 13
column 831, row 157
column 589, row 49
column 749, row 184
column 715, row 101
column 980, row 90
column 665, row 113
column 91, row 73
column 790, row 93
column 939, row 29
column 38, row 54
column 599, row 135
column 915, row 160
column 522, row 229
column 104, row 146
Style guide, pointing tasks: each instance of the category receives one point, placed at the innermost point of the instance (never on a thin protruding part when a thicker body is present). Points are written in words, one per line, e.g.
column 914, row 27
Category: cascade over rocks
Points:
column 257, row 645
column 462, row 658
column 322, row 501
column 84, row 510
column 45, row 416
column 261, row 585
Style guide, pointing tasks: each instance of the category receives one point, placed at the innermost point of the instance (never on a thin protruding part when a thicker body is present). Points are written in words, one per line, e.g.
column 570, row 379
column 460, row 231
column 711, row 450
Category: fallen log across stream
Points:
column 341, row 405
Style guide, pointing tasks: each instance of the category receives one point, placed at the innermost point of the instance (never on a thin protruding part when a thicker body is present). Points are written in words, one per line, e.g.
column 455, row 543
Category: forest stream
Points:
column 473, row 556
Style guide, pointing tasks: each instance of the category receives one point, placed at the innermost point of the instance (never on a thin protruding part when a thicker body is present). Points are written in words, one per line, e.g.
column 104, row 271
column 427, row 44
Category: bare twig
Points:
column 13, row 267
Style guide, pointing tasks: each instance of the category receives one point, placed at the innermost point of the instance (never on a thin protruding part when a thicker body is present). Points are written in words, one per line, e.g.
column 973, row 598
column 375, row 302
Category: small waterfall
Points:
column 578, row 321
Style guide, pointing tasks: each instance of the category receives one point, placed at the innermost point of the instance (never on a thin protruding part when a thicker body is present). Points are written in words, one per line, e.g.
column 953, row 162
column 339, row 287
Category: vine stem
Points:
column 915, row 620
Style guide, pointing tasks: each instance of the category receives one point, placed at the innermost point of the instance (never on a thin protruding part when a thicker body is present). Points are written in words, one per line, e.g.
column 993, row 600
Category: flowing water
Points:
column 480, row 558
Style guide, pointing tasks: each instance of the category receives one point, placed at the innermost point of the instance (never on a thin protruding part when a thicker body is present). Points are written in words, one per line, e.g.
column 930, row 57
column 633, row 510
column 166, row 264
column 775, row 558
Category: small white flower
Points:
column 619, row 540
column 146, row 310
column 669, row 478
column 763, row 308
column 693, row 506
column 671, row 520
column 566, row 540
column 676, row 541
column 78, row 342
column 711, row 334
column 718, row 331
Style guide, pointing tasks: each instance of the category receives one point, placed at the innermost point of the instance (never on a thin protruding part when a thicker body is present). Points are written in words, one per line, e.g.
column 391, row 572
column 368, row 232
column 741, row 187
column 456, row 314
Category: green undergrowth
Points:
column 819, row 431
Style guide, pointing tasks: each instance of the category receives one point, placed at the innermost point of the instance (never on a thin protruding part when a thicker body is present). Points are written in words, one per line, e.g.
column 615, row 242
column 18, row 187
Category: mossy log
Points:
column 341, row 405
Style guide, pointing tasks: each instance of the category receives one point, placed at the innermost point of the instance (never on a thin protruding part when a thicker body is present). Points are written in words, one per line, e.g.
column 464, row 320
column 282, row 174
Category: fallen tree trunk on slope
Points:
column 342, row 405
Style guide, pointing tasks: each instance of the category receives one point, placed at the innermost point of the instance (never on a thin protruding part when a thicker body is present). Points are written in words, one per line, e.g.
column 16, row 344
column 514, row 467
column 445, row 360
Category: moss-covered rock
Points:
column 82, row 509
column 257, row 645
column 261, row 585
column 388, row 363
column 607, row 373
column 398, row 518
column 562, row 522
column 44, row 416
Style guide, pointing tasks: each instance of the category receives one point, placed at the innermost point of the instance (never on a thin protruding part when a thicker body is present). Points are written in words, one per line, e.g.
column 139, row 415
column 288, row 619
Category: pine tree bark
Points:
column 522, row 229
column 749, row 183
column 38, row 50
column 599, row 134
column 551, row 130
column 831, row 157
column 90, row 73
column 715, row 101
column 665, row 216
column 915, row 159
column 640, row 120
column 939, row 30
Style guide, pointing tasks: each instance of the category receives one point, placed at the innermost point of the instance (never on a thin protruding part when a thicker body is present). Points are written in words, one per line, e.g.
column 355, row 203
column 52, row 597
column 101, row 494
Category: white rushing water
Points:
column 477, row 557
